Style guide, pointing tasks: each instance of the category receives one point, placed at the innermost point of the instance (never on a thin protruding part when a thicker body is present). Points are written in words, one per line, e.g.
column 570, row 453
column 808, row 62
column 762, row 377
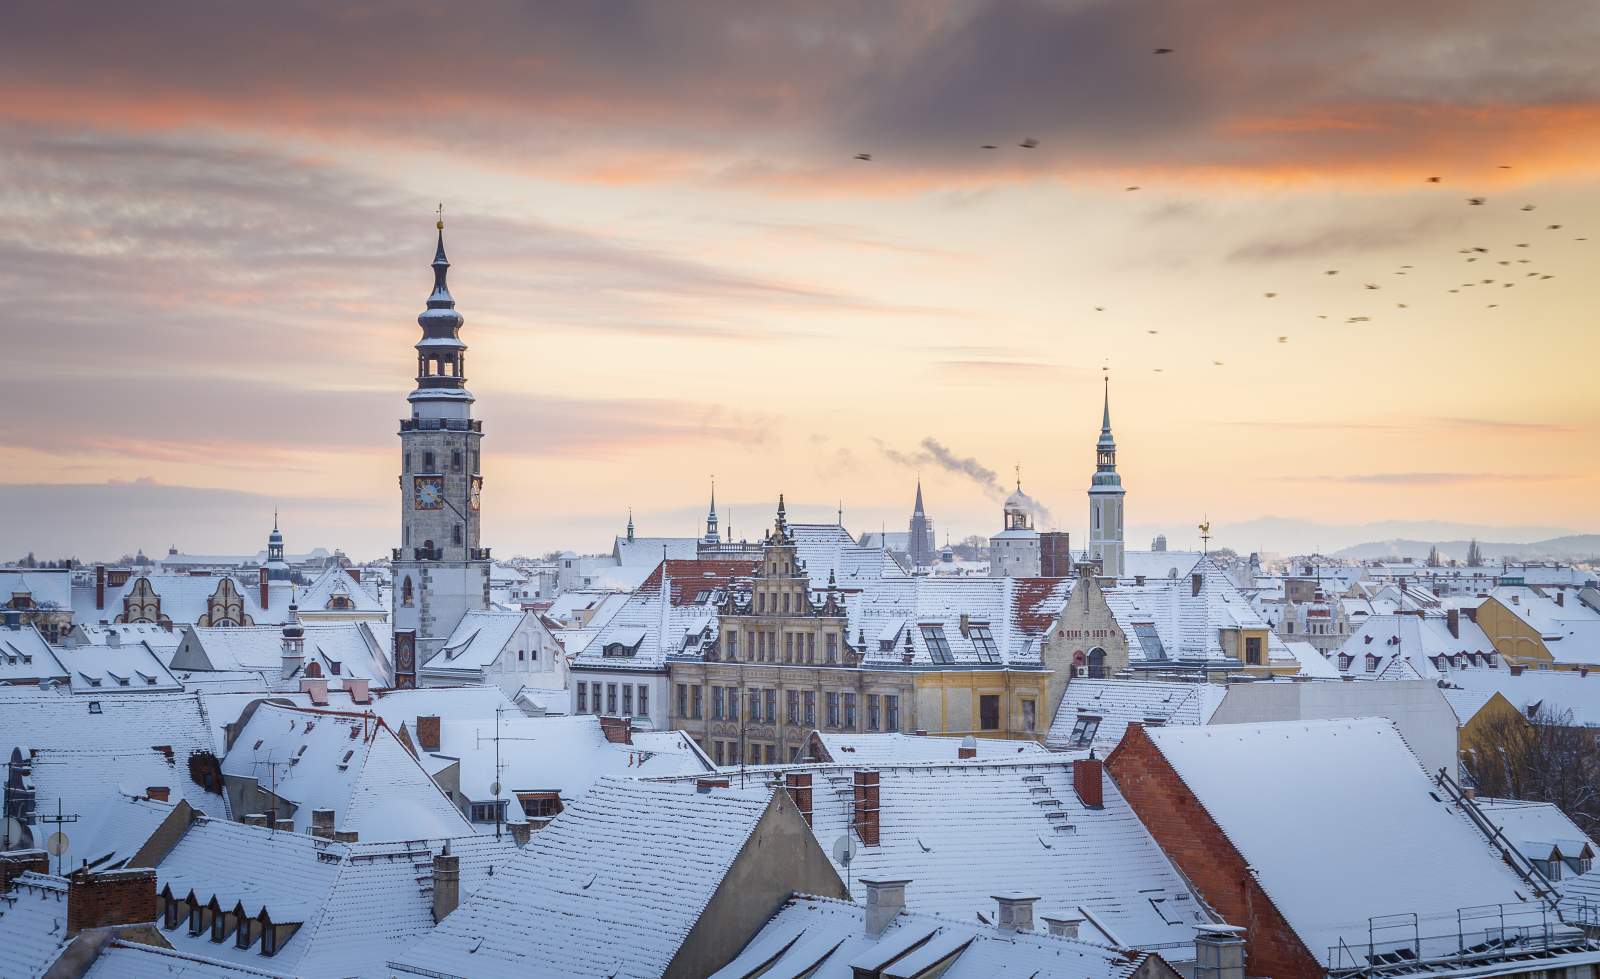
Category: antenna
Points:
column 58, row 842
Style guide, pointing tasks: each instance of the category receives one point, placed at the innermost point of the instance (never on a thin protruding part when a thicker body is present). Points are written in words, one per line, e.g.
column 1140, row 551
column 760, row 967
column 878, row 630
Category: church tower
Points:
column 712, row 536
column 441, row 571
column 919, row 539
column 1105, row 500
column 277, row 567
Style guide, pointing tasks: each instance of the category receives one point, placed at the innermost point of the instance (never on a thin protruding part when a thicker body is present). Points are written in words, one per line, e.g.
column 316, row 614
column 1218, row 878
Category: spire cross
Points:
column 1019, row 475
column 440, row 211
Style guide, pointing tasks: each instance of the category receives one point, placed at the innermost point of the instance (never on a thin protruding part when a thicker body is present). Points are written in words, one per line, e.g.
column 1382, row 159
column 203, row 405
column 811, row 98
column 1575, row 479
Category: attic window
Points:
column 983, row 644
column 94, row 706
column 1372, row 663
column 938, row 645
column 1084, row 730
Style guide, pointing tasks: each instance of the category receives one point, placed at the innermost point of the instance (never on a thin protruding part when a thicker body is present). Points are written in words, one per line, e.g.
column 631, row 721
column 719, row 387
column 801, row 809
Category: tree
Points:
column 1545, row 758
column 1434, row 560
column 1474, row 554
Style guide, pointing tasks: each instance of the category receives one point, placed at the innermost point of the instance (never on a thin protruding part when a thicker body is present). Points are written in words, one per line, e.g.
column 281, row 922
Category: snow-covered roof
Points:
column 1423, row 640
column 129, row 666
column 962, row 832
column 610, row 888
column 824, row 549
column 1006, row 619
column 597, row 606
column 357, row 904
column 478, row 640
column 113, row 722
column 350, row 763
column 1571, row 629
column 1466, row 703
column 121, row 959
column 1159, row 564
column 654, row 629
column 826, row 939
column 1164, row 619
column 332, row 589
column 647, row 552
column 1280, row 791
column 25, row 657
column 185, row 597
column 1110, row 705
column 1557, row 691
column 100, row 788
column 341, row 649
column 162, row 641
column 1539, row 830
column 46, row 588
column 33, row 925
column 892, row 749
column 401, row 708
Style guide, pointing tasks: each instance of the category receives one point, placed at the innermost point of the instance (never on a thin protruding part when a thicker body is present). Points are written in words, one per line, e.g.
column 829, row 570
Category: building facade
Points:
column 1014, row 551
column 441, row 571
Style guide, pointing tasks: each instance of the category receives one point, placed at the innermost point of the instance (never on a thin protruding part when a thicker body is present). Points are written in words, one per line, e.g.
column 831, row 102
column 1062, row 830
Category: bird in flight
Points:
column 1401, row 305
column 1554, row 227
column 1527, row 207
column 864, row 156
column 1135, row 187
column 1331, row 272
column 1505, row 166
column 1283, row 339
column 988, row 146
column 1216, row 363
column 1476, row 201
column 1099, row 309
column 1163, row 51
column 1151, row 332
column 1372, row 285
column 1433, row 180
column 1029, row 143
column 1271, row 295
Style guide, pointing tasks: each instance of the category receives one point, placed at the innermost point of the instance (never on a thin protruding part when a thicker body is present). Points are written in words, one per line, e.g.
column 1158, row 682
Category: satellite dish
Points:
column 844, row 850
column 494, row 789
column 57, row 844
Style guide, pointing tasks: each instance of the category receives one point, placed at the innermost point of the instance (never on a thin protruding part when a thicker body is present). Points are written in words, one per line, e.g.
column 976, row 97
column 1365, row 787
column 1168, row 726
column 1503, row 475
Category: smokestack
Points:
column 446, row 884
column 322, row 823
column 885, row 900
column 111, row 897
column 969, row 747
column 100, row 586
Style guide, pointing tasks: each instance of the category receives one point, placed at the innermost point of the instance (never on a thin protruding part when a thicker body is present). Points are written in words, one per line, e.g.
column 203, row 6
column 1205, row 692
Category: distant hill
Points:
column 1573, row 547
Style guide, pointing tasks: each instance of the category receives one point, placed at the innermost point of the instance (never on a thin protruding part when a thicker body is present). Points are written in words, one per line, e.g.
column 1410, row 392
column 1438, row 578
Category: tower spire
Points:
column 712, row 536
column 441, row 390
column 1105, row 419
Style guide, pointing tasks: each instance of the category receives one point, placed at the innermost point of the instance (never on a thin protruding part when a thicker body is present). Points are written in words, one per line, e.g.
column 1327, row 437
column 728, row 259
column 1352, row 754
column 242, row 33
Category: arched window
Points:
column 405, row 592
column 1097, row 663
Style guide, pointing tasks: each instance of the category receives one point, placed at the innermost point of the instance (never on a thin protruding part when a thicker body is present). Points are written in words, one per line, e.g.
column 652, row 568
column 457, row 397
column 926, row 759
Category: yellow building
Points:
column 1542, row 628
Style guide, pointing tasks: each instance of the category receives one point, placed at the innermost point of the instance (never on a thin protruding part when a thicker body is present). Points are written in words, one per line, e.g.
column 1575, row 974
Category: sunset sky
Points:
column 216, row 220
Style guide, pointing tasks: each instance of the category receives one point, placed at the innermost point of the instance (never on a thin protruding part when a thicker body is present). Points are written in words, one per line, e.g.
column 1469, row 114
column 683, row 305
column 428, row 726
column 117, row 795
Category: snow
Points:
column 1118, row 702
column 891, row 749
column 33, row 925
column 122, row 960
column 1281, row 791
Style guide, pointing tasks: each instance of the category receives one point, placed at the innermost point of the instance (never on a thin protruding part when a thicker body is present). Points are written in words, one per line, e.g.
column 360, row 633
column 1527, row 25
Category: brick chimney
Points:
column 159, row 793
column 968, row 747
column 866, row 807
column 446, row 884
column 359, row 690
column 1088, row 780
column 1062, row 926
column 265, row 591
column 18, row 862
column 346, row 836
column 254, row 819
column 705, row 784
column 521, row 832
column 885, row 900
column 322, row 823
column 618, row 730
column 317, row 689
column 113, row 897
column 1561, row 597
column 1516, row 670
column 284, row 824
column 1016, row 911
column 100, row 586
column 798, row 785
column 1452, row 621
column 428, row 732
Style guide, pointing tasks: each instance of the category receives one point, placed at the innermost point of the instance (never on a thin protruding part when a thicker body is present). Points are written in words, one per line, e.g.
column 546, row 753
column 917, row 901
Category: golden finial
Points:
column 440, row 223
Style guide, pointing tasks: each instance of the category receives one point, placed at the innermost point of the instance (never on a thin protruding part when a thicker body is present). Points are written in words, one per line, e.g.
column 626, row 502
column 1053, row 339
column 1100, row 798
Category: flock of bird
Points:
column 1473, row 253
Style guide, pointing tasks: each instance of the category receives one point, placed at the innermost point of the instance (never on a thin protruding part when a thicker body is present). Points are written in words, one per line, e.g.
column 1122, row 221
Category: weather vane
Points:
column 1205, row 535
column 440, row 211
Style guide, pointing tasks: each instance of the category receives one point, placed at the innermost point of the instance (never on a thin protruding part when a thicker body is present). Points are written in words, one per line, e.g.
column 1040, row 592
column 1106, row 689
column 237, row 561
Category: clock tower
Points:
column 441, row 571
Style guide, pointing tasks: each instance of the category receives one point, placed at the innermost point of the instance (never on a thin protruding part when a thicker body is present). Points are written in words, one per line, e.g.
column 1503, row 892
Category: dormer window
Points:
column 1372, row 663
column 938, row 646
column 1084, row 730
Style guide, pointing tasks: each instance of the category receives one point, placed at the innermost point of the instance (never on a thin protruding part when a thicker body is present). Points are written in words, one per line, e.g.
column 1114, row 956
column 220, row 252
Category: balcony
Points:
column 478, row 554
column 441, row 425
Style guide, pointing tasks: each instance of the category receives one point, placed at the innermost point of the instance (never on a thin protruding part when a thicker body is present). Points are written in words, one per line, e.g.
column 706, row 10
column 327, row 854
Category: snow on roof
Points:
column 25, row 657
column 121, row 959
column 401, row 708
column 1159, row 564
column 350, row 763
column 46, row 587
column 1539, row 829
column 610, row 888
column 1187, row 625
column 824, row 549
column 600, row 606
column 33, row 718
column 33, row 924
column 358, row 649
column 962, row 832
column 1424, row 641
column 160, row 639
column 1466, row 703
column 555, row 754
column 99, row 788
column 826, row 939
column 334, row 587
column 1111, row 705
column 357, row 904
column 1557, row 691
column 1571, row 630
column 478, row 640
column 1005, row 619
column 131, row 666
column 1281, row 790
column 185, row 598
column 1312, row 662
column 647, row 552
column 891, row 749
column 655, row 629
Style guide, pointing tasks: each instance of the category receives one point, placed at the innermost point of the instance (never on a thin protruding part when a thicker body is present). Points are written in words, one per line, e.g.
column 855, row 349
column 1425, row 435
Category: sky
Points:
column 216, row 221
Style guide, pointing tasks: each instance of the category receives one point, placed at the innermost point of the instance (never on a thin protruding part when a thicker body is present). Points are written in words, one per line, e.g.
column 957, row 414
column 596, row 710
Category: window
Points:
column 938, row 645
column 408, row 463
column 733, row 703
column 611, row 698
column 717, row 747
column 788, row 647
column 989, row 712
column 849, row 712
column 694, row 702
column 1252, row 650
column 475, row 462
column 1097, row 663
column 1083, row 731
column 755, row 705
column 811, row 708
column 716, row 703
column 627, row 700
column 405, row 589
column 455, row 534
column 772, row 706
column 169, row 912
column 833, row 709
column 891, row 712
column 644, row 701
column 761, row 602
column 733, row 644
column 1344, row 661
column 583, row 698
column 791, row 706
column 540, row 805
column 269, row 939
column 595, row 689
column 811, row 647
column 427, row 462
column 683, row 700
column 786, row 603
column 1030, row 716
column 771, row 753
column 1372, row 663
column 983, row 644
column 455, row 460
column 873, row 711
column 241, row 937
column 831, row 648
column 489, row 812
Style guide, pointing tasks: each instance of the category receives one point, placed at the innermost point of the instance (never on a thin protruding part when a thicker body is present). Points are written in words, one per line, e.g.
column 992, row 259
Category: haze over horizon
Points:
column 216, row 223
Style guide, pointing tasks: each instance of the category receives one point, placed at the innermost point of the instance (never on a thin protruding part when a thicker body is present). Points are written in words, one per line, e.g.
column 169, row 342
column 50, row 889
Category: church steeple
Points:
column 1106, row 499
column 630, row 523
column 441, row 390
column 1106, row 448
column 712, row 536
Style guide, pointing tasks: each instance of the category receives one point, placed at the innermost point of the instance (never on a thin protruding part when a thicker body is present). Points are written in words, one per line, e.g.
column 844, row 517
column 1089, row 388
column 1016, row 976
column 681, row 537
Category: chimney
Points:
column 100, row 586
column 284, row 825
column 446, row 884
column 966, row 625
column 428, row 732
column 1062, row 926
column 1195, row 581
column 1452, row 621
column 159, row 793
column 1088, row 778
column 346, row 836
column 1515, row 670
column 265, row 595
column 112, row 897
column 316, row 689
column 520, row 832
column 618, row 730
column 322, row 823
column 969, row 747
column 1138, row 579
column 359, row 690
column 1016, row 911
column 1219, row 952
column 113, row 639
column 18, row 862
column 1561, row 597
column 798, row 785
column 704, row 785
column 885, row 900
column 866, row 807
column 254, row 819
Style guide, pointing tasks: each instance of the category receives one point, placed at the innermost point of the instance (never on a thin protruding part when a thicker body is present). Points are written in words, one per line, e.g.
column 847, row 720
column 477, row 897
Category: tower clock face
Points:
column 428, row 492
column 476, row 499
